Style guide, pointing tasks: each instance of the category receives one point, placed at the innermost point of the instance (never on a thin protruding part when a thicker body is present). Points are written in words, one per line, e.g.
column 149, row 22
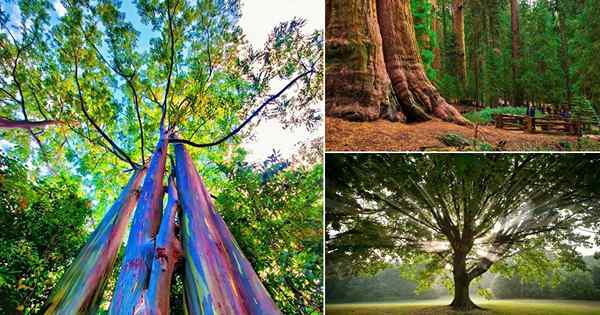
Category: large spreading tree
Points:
column 110, row 91
column 374, row 68
column 456, row 216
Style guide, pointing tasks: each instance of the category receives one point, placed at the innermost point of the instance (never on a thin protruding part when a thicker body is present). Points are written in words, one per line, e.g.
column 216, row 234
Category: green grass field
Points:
column 494, row 307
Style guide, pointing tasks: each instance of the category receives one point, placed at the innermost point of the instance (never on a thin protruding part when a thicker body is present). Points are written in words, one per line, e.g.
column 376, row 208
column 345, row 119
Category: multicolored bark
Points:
column 218, row 278
column 167, row 253
column 80, row 288
column 25, row 124
column 139, row 253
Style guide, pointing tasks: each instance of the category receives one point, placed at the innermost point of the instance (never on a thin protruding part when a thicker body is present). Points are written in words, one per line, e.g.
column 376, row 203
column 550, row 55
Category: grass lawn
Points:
column 495, row 307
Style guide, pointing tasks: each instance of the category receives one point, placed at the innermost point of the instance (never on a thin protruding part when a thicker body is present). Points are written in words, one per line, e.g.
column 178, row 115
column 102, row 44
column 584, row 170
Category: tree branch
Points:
column 243, row 124
column 128, row 78
column 86, row 114
column 172, row 62
column 25, row 124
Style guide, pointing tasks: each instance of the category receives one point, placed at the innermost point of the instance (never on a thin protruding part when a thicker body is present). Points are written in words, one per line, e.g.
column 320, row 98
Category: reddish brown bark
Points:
column 417, row 95
column 564, row 52
column 458, row 24
column 82, row 285
column 370, row 43
column 435, row 27
column 356, row 81
column 516, row 53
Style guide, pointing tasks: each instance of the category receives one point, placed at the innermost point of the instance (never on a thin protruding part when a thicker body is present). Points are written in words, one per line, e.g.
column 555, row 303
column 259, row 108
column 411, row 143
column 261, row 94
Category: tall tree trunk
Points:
column 416, row 95
column 356, row 81
column 167, row 253
column 81, row 287
column 516, row 54
column 435, row 27
column 476, row 56
column 458, row 23
column 443, row 41
column 135, row 270
column 462, row 300
column 218, row 277
column 356, row 67
column 564, row 51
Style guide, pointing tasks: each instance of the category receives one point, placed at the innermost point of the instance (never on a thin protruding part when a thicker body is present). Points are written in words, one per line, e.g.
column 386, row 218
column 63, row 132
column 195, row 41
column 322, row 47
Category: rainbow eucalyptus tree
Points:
column 457, row 216
column 82, row 285
column 218, row 278
column 85, row 85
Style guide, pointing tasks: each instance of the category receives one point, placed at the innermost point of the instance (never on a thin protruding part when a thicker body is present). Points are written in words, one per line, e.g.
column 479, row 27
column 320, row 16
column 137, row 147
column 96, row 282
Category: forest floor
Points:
column 493, row 307
column 383, row 135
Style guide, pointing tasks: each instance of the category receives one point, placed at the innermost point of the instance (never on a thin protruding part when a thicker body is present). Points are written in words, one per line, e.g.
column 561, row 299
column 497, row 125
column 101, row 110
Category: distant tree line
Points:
column 387, row 285
column 498, row 52
column 577, row 285
column 390, row 285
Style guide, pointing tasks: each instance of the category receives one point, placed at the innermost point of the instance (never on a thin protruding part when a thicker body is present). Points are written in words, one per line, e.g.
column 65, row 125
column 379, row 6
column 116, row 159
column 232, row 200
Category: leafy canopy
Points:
column 107, row 79
column 518, row 213
column 44, row 225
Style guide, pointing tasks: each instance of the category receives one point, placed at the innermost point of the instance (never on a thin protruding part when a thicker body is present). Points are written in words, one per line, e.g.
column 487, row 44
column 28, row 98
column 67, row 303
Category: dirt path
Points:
column 383, row 135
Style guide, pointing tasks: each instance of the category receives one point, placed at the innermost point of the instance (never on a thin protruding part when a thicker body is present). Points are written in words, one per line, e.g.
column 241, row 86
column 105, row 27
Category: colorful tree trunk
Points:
column 139, row 253
column 167, row 253
column 25, row 124
column 218, row 278
column 79, row 290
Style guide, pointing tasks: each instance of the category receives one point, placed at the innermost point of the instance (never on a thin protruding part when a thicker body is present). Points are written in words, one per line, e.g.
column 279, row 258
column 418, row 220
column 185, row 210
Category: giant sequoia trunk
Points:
column 435, row 27
column 417, row 95
column 516, row 54
column 356, row 81
column 564, row 51
column 370, row 43
column 139, row 253
column 458, row 25
column 80, row 289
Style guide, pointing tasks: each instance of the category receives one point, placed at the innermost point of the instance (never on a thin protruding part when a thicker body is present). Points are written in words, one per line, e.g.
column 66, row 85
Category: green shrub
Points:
column 485, row 116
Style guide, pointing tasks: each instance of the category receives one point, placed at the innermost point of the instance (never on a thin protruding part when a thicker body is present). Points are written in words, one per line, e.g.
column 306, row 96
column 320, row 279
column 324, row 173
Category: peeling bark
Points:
column 167, row 254
column 139, row 252
column 218, row 278
column 81, row 287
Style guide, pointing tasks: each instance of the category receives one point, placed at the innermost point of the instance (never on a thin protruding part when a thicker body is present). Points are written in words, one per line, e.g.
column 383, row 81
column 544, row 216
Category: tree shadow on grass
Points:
column 447, row 310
